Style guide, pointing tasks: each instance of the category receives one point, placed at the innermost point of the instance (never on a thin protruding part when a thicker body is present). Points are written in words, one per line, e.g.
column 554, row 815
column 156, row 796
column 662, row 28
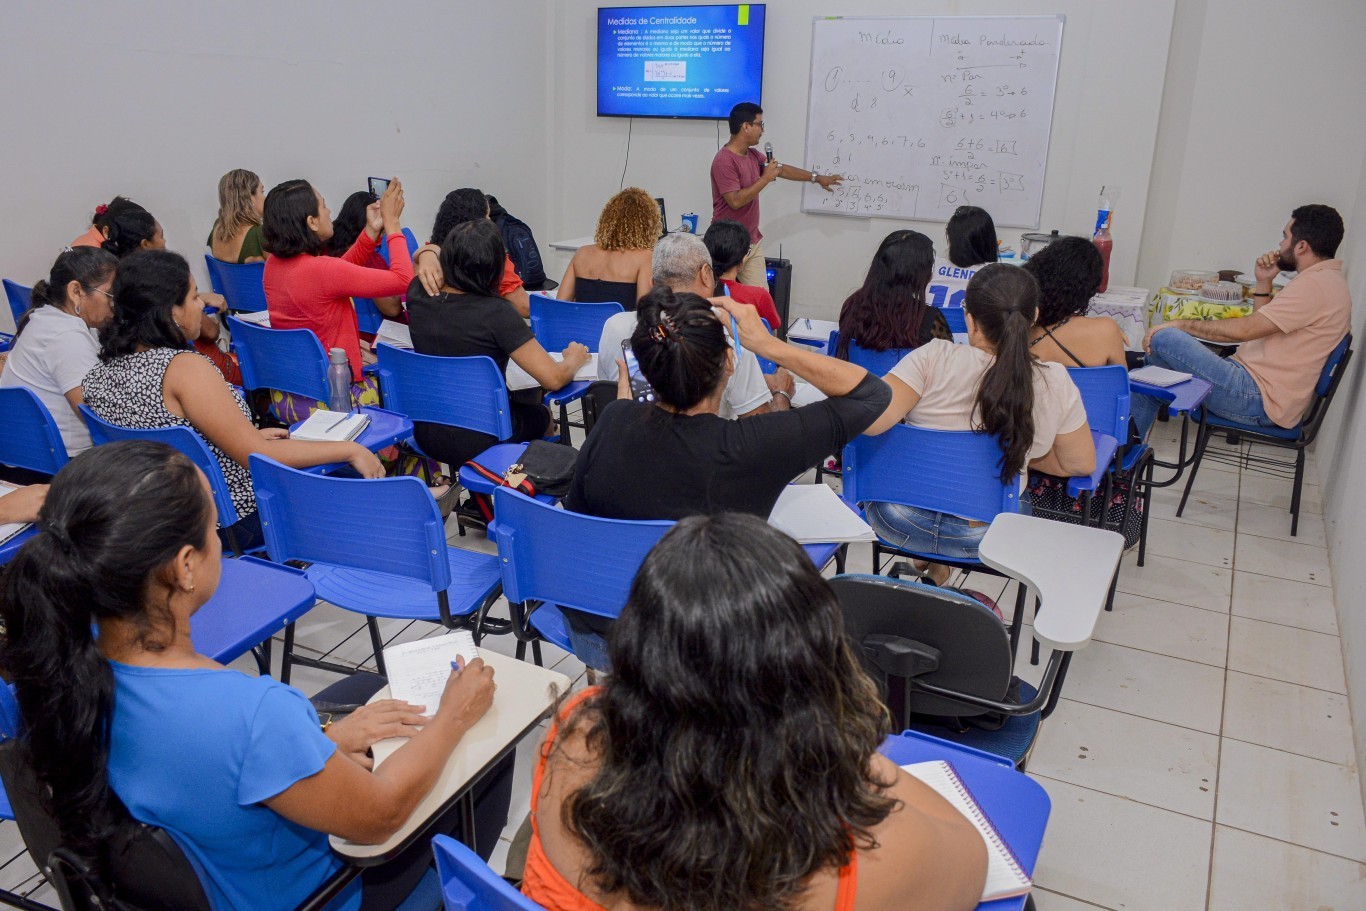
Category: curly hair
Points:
column 760, row 774
column 629, row 221
column 1068, row 272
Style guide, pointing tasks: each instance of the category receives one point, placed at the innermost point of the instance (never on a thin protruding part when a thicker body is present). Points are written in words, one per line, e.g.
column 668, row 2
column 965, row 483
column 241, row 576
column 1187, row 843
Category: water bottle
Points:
column 338, row 380
column 1101, row 238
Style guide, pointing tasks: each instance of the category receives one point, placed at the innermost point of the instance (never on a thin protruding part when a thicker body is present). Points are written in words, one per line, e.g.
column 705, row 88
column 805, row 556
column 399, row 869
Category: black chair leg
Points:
column 536, row 652
column 1017, row 621
column 1295, row 493
column 877, row 559
column 1201, row 442
column 287, row 653
column 377, row 643
column 1147, row 511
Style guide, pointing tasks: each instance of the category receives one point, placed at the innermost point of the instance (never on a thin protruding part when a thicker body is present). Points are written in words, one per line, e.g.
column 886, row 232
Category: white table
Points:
column 571, row 245
column 525, row 693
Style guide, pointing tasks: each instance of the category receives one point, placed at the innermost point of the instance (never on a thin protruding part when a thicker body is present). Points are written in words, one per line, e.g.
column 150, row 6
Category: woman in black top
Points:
column 889, row 311
column 468, row 319
column 677, row 457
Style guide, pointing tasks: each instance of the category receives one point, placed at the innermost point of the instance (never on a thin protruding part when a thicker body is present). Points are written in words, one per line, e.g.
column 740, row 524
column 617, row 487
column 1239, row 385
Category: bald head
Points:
column 678, row 262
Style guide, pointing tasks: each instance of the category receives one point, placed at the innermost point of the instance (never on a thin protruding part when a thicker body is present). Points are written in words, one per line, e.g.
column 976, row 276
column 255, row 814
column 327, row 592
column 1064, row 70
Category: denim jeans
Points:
column 1235, row 395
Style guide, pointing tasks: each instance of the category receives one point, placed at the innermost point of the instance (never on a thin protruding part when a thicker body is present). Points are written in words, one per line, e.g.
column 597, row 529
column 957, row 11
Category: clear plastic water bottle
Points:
column 338, row 380
column 1101, row 238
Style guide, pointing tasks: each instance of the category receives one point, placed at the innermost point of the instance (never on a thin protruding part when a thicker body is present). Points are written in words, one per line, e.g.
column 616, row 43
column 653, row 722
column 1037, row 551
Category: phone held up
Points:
column 377, row 187
column 641, row 390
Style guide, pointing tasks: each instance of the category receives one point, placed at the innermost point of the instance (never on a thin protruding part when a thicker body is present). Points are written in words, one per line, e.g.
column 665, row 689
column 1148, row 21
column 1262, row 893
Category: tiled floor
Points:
column 1202, row 754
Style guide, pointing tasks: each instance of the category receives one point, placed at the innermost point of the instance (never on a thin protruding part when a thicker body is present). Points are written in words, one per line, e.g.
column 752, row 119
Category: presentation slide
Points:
column 679, row 61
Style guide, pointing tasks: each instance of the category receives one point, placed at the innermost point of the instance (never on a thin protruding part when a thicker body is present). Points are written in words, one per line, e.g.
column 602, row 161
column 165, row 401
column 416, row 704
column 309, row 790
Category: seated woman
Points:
column 765, row 788
column 469, row 319
column 460, row 206
column 991, row 385
column 678, row 457
column 616, row 265
column 346, row 227
column 889, row 311
column 105, row 216
column 146, row 379
column 1068, row 272
column 972, row 244
column 54, row 348
column 133, row 722
column 236, row 234
column 306, row 289
column 728, row 243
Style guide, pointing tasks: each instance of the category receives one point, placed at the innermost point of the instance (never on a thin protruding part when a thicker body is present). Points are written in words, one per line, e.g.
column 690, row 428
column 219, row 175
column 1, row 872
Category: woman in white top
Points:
column 56, row 344
column 993, row 385
column 972, row 244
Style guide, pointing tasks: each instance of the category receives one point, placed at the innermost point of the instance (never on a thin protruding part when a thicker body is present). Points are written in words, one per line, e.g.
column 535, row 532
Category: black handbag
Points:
column 545, row 468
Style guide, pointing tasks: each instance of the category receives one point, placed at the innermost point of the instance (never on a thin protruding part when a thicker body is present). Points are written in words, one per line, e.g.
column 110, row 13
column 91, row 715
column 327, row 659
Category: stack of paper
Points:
column 396, row 334
column 814, row 514
column 325, row 426
column 1152, row 375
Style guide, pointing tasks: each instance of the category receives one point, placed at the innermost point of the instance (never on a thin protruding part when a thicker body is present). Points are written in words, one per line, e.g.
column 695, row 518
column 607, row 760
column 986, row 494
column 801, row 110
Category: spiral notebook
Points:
column 1152, row 375
column 1005, row 876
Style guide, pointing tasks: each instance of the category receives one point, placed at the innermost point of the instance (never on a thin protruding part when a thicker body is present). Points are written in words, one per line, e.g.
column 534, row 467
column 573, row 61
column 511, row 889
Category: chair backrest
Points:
column 467, row 883
column 534, row 539
column 183, row 439
column 1327, row 386
column 956, row 318
column 556, row 323
column 468, row 392
column 878, row 363
column 20, row 298
column 1105, row 396
column 907, row 633
column 28, row 435
column 242, row 284
column 290, row 360
column 314, row 518
column 368, row 317
column 952, row 471
column 409, row 236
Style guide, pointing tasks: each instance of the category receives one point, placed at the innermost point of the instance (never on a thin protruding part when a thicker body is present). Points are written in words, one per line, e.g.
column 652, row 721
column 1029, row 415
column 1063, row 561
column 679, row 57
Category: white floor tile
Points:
column 1120, row 854
column 1196, row 543
column 1153, row 686
column 1285, row 653
column 1284, row 601
column 1282, row 559
column 1219, row 482
column 1052, row 901
column 1307, row 802
column 1201, row 509
column 1177, row 581
column 1169, row 629
column 1250, row 871
column 1288, row 717
column 1270, row 522
column 1158, row 764
column 1268, row 490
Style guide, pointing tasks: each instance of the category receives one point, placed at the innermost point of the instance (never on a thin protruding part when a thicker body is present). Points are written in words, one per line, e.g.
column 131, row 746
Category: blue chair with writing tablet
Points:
column 29, row 438
column 956, row 317
column 20, row 299
column 468, row 883
column 878, row 363
column 241, row 284
column 556, row 323
column 368, row 317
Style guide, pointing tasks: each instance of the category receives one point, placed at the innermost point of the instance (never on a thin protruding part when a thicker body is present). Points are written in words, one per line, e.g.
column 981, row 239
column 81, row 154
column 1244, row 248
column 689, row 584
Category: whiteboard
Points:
column 924, row 114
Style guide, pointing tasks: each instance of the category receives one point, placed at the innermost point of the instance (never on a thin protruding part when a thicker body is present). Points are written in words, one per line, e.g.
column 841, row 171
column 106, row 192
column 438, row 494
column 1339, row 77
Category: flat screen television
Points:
column 691, row 62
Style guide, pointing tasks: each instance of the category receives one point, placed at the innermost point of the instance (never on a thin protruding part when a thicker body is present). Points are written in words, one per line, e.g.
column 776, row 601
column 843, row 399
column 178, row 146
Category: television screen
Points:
column 679, row 61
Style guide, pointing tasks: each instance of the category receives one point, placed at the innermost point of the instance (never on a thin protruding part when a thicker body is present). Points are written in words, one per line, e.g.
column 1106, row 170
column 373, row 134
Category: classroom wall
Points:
column 1111, row 73
column 158, row 100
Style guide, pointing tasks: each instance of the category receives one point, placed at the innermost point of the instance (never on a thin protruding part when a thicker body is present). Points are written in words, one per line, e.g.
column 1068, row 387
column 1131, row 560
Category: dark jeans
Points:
column 385, row 887
column 1235, row 395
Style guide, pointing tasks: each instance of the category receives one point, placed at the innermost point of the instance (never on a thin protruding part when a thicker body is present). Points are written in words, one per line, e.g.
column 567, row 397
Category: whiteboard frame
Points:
column 1060, row 18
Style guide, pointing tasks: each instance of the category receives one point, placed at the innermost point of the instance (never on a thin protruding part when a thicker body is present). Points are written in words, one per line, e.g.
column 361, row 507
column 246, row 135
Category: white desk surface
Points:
column 1069, row 567
column 569, row 246
column 525, row 693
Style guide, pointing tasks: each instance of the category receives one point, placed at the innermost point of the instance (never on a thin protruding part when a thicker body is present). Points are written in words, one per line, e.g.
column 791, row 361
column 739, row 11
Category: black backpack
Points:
column 521, row 246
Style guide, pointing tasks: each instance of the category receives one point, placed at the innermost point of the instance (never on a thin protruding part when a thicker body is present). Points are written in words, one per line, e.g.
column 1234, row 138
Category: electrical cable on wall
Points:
column 630, row 126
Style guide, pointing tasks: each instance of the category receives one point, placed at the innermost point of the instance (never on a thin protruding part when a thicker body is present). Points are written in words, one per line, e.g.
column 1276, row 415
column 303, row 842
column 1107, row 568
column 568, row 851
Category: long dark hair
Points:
column 348, row 223
column 1068, row 272
column 1003, row 302
column 126, row 226
column 114, row 518
column 680, row 346
column 888, row 310
column 147, row 286
column 87, row 266
column 284, row 220
column 728, row 243
column 972, row 237
column 736, row 732
column 472, row 257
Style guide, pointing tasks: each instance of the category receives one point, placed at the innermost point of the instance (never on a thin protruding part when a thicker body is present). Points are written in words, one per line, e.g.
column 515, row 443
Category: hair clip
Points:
column 101, row 209
column 658, row 334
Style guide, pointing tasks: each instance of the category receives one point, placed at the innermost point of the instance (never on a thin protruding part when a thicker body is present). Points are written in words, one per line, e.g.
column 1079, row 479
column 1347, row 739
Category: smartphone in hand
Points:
column 641, row 390
column 377, row 187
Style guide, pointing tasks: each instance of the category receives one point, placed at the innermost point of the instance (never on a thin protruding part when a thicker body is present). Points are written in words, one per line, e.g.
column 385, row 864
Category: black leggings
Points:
column 385, row 887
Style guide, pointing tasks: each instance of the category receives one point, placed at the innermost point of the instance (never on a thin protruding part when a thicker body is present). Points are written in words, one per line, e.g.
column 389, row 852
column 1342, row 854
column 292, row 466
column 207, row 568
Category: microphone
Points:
column 768, row 152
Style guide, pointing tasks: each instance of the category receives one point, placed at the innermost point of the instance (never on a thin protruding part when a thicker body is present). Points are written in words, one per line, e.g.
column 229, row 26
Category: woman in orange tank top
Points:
column 730, row 761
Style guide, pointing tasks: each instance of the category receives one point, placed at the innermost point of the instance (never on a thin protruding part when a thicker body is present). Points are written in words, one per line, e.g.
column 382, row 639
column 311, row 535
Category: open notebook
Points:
column 814, row 514
column 418, row 672
column 1005, row 877
column 325, row 426
column 9, row 530
column 519, row 379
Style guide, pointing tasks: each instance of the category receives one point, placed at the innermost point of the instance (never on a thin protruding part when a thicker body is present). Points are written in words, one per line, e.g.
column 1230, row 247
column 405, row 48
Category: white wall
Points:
column 1114, row 58
column 158, row 100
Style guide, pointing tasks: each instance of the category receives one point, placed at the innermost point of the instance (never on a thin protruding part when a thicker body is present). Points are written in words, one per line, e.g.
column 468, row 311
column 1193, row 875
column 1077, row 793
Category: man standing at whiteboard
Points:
column 739, row 173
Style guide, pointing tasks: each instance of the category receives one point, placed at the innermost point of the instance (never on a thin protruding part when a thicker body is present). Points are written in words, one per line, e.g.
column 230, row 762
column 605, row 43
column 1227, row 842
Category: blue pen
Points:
column 735, row 335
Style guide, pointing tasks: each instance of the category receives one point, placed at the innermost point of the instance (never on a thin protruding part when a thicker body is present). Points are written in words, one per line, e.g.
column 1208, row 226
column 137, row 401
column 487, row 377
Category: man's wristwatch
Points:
column 813, row 177
column 784, row 394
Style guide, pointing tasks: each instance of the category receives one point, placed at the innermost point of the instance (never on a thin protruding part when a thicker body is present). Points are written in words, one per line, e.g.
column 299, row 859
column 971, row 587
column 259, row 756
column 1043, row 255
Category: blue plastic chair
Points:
column 556, row 323
column 1297, row 438
column 956, row 318
column 1105, row 396
column 878, row 363
column 290, row 360
column 184, row 440
column 20, row 298
column 28, row 435
column 533, row 540
column 241, row 284
column 467, row 883
column 408, row 235
column 368, row 317
column 393, row 561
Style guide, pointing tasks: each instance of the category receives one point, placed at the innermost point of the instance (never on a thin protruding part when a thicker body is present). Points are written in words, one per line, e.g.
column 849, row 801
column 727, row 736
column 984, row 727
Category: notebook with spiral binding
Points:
column 1005, row 876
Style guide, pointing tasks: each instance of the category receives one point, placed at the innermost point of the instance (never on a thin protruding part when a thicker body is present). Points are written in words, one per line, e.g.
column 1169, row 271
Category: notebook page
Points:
column 10, row 529
column 331, row 426
column 1004, row 876
column 518, row 379
column 814, row 514
column 418, row 670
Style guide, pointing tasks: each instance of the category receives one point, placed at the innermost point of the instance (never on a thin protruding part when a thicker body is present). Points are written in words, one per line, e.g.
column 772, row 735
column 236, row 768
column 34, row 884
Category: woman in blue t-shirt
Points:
column 236, row 769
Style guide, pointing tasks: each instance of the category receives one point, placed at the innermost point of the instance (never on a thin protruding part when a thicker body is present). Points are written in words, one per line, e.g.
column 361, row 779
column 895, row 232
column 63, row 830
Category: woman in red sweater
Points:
column 307, row 289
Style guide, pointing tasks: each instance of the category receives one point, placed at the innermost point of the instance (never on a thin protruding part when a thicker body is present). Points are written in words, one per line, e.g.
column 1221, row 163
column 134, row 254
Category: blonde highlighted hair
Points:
column 629, row 221
column 235, row 211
